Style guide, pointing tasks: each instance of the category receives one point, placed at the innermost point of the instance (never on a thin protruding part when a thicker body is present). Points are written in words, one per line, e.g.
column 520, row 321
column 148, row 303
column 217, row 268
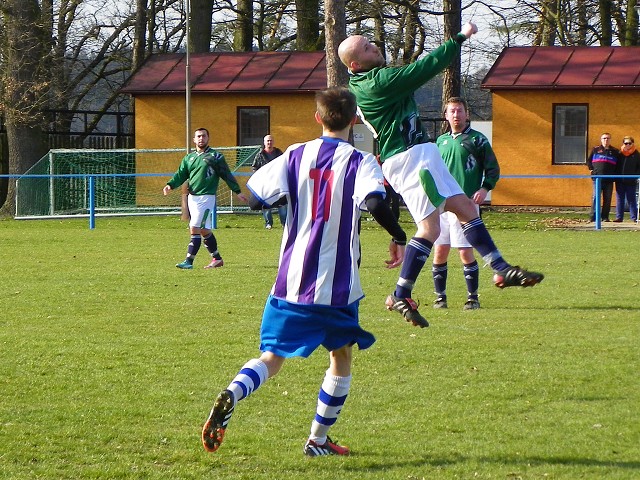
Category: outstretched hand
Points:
column 469, row 29
column 396, row 253
column 242, row 197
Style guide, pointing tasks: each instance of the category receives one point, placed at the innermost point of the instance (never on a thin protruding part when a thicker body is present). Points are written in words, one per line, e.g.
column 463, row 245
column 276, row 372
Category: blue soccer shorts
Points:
column 297, row 330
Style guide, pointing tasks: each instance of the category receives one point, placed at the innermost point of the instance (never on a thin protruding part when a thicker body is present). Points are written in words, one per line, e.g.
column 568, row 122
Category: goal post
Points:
column 126, row 182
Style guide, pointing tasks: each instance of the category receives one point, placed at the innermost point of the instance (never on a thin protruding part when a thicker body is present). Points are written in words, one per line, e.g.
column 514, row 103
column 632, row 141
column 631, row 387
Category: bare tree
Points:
column 24, row 47
column 140, row 34
column 243, row 38
column 605, row 8
column 627, row 19
column 200, row 26
column 271, row 26
column 335, row 31
column 548, row 23
column 452, row 25
column 308, row 23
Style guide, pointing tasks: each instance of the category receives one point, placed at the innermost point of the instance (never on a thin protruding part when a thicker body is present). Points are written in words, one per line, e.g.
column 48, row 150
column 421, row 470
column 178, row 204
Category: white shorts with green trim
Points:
column 201, row 210
column 421, row 177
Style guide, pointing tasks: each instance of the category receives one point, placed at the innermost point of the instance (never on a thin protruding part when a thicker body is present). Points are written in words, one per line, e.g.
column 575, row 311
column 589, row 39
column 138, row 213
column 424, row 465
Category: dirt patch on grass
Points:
column 566, row 218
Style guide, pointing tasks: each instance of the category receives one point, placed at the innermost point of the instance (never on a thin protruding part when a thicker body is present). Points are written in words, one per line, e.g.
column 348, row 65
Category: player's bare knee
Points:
column 462, row 206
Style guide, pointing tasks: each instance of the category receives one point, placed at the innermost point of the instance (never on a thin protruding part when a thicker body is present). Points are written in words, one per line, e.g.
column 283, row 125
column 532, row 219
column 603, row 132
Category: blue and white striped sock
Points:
column 331, row 398
column 253, row 374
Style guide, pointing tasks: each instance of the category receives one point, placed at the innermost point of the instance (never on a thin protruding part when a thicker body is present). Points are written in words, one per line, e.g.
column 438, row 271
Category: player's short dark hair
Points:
column 451, row 100
column 201, row 129
column 336, row 107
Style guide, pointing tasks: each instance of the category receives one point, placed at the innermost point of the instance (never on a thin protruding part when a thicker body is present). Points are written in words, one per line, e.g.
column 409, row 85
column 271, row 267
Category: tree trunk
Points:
column 547, row 25
column 243, row 35
column 151, row 27
column 308, row 23
column 379, row 34
column 24, row 89
column 583, row 24
column 412, row 47
column 200, row 26
column 139, row 41
column 605, row 23
column 4, row 167
column 451, row 76
column 631, row 25
column 140, row 35
column 335, row 30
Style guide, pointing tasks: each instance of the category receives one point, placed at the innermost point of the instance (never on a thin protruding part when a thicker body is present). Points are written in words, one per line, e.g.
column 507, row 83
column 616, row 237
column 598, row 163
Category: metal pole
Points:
column 52, row 192
column 637, row 196
column 188, row 79
column 92, row 202
column 597, row 210
column 184, row 191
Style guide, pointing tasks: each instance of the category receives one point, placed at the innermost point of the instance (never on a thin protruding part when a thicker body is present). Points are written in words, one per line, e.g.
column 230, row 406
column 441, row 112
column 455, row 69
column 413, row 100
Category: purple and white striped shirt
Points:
column 326, row 182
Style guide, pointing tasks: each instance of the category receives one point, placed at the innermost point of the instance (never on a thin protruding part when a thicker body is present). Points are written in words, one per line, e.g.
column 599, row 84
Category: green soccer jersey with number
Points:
column 385, row 98
column 204, row 170
column 470, row 160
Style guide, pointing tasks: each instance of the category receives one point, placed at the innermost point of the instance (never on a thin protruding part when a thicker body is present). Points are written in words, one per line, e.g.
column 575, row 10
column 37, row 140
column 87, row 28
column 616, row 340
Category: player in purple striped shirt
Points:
column 326, row 183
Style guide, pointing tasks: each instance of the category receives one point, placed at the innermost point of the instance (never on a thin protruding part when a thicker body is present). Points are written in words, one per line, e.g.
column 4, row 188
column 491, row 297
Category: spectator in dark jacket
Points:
column 268, row 153
column 628, row 164
column 603, row 160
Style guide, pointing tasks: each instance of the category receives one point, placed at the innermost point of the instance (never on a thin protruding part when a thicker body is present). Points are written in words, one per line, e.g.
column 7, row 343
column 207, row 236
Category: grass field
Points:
column 111, row 357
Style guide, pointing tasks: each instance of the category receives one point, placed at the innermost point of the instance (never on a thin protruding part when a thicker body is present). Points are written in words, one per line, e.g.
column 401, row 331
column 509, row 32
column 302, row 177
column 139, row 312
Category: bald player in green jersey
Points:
column 413, row 166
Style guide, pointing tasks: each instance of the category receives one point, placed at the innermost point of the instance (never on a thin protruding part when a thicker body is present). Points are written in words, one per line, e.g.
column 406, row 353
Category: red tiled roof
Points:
column 565, row 67
column 231, row 72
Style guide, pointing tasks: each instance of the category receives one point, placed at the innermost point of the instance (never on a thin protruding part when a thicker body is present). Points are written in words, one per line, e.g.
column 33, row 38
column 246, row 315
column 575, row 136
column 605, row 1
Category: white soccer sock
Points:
column 331, row 398
column 253, row 374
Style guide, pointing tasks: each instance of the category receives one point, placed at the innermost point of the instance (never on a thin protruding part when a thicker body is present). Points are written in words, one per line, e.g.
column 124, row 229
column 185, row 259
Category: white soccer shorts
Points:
column 201, row 210
column 451, row 231
column 407, row 171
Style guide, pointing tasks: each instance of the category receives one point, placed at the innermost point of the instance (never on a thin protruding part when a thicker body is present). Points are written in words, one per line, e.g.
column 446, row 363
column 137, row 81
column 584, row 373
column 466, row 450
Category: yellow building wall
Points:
column 160, row 123
column 523, row 136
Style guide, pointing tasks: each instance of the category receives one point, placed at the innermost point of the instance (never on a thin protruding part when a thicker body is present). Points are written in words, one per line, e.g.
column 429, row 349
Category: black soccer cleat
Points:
column 440, row 302
column 516, row 277
column 312, row 449
column 471, row 304
column 216, row 425
column 408, row 308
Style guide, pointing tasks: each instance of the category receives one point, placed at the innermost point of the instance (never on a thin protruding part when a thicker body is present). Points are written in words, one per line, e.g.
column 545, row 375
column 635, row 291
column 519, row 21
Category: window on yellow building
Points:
column 570, row 126
column 253, row 125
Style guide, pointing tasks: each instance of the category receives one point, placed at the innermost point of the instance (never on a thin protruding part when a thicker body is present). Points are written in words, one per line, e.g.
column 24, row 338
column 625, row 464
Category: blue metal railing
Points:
column 91, row 179
column 597, row 207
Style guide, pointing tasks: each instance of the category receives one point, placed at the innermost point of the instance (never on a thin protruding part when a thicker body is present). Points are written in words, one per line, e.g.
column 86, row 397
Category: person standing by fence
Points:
column 268, row 153
column 628, row 164
column 603, row 160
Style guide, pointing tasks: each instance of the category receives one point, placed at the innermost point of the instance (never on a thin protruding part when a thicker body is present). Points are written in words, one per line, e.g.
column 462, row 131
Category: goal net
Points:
column 126, row 182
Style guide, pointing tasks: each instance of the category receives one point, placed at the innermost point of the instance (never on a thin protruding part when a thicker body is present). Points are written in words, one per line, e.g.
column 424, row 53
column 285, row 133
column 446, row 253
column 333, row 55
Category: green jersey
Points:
column 386, row 103
column 470, row 159
column 204, row 171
